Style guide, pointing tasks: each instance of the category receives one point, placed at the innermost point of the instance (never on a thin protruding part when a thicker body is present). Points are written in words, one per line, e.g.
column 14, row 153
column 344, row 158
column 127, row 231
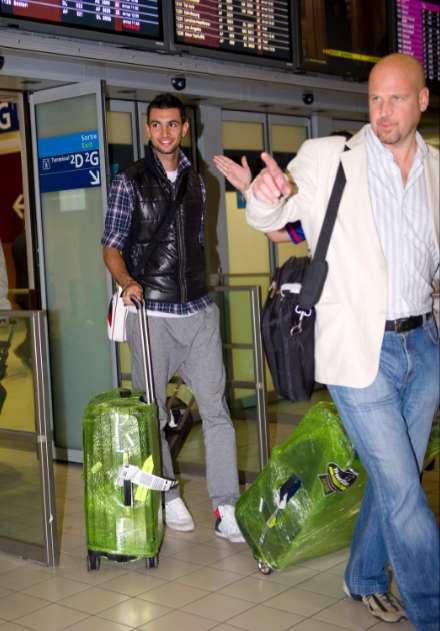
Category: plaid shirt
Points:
column 117, row 227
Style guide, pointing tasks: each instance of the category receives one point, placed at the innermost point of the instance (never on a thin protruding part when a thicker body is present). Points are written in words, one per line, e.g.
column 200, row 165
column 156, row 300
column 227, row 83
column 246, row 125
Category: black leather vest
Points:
column 175, row 271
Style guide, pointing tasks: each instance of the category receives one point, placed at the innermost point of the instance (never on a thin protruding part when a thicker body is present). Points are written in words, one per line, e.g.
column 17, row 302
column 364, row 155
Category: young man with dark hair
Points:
column 170, row 277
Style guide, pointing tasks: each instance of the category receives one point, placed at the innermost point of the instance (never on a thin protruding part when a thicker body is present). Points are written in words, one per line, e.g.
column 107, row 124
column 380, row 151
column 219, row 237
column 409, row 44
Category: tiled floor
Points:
column 202, row 582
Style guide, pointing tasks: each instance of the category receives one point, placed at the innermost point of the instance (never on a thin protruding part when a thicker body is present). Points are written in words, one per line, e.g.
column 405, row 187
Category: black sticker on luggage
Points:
column 281, row 498
column 337, row 479
column 286, row 491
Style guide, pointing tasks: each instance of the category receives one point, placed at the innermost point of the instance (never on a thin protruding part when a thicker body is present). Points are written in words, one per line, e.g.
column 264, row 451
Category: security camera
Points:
column 178, row 83
column 308, row 98
column 2, row 61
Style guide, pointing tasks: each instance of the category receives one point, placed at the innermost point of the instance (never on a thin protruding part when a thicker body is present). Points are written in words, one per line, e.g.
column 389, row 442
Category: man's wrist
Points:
column 292, row 184
column 128, row 282
column 246, row 189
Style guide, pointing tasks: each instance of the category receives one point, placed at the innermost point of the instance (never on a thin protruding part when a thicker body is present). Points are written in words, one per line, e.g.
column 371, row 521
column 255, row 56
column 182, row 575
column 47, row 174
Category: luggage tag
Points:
column 290, row 288
column 135, row 475
column 117, row 317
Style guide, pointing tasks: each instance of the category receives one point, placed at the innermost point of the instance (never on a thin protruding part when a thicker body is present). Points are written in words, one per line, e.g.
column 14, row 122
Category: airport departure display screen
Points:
column 343, row 38
column 140, row 18
column 418, row 33
column 253, row 27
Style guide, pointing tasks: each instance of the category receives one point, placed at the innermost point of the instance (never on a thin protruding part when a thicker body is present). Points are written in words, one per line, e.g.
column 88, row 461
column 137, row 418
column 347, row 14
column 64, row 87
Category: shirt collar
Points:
column 183, row 162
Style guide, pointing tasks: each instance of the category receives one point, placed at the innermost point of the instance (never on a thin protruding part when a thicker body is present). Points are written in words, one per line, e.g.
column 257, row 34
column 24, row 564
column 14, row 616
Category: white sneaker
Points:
column 177, row 516
column 226, row 525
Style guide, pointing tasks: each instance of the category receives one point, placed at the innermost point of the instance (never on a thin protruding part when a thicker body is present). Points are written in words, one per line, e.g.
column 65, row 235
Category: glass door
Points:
column 244, row 134
column 248, row 253
column 286, row 135
column 122, row 138
column 27, row 502
column 251, row 260
column 123, row 149
column 70, row 181
column 27, row 498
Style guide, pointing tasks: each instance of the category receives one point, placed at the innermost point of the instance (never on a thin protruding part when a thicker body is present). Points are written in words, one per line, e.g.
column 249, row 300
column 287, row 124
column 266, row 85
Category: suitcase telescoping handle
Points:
column 146, row 350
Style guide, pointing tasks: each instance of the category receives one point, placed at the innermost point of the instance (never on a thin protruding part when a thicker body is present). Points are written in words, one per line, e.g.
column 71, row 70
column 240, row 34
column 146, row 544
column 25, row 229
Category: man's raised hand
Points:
column 239, row 176
column 270, row 184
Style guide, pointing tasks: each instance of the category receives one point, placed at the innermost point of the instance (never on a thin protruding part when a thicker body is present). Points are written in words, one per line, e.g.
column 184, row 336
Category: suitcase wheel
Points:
column 93, row 561
column 264, row 568
column 152, row 562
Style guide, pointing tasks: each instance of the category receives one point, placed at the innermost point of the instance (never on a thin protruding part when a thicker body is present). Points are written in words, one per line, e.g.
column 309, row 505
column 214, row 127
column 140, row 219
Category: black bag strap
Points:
column 330, row 215
column 316, row 273
column 167, row 218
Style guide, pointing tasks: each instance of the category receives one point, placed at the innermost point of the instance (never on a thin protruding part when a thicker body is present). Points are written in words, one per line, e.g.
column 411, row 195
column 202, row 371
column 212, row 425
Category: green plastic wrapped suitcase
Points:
column 122, row 468
column 305, row 501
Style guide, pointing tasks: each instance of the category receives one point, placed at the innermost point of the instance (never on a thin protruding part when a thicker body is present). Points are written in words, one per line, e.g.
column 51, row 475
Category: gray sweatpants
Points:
column 191, row 346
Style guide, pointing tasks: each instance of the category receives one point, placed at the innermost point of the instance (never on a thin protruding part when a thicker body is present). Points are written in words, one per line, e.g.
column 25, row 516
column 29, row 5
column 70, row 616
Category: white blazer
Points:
column 351, row 313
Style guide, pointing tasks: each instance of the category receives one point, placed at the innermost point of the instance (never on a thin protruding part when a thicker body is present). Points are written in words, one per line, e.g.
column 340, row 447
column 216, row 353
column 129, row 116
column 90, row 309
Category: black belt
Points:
column 406, row 324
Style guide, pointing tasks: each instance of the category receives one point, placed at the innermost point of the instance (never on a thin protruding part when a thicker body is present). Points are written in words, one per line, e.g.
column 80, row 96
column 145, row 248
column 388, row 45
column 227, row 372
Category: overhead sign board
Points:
column 70, row 161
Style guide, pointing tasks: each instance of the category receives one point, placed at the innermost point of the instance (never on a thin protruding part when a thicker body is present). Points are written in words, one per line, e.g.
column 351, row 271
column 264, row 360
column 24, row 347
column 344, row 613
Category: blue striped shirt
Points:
column 117, row 227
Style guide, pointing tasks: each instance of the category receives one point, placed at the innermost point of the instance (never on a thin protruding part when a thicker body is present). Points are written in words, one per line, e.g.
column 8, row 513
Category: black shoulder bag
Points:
column 288, row 319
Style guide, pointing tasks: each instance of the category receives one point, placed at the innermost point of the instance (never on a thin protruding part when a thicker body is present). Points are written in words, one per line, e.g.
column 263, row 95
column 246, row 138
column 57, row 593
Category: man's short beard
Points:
column 166, row 152
column 389, row 139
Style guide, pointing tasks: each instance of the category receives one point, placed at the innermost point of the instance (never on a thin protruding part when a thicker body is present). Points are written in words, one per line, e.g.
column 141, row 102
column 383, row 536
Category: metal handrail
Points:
column 260, row 376
column 245, row 275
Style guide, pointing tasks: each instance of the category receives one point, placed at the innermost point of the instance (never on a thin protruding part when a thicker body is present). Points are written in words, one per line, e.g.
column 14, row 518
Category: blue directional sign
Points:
column 8, row 117
column 70, row 161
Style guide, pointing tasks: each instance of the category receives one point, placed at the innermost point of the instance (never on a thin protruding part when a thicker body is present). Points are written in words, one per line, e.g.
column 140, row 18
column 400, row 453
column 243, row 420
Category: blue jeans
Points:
column 389, row 423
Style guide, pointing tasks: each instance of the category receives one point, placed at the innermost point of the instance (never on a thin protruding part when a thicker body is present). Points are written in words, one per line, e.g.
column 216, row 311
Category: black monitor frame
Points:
column 348, row 69
column 231, row 55
column 88, row 33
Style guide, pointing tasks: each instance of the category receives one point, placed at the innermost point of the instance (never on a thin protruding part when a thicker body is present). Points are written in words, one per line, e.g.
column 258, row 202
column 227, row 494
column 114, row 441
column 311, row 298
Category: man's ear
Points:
column 424, row 99
column 147, row 129
column 185, row 128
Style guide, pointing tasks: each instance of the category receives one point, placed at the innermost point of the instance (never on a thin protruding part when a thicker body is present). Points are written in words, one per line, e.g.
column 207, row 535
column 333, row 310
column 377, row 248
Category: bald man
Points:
column 376, row 344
